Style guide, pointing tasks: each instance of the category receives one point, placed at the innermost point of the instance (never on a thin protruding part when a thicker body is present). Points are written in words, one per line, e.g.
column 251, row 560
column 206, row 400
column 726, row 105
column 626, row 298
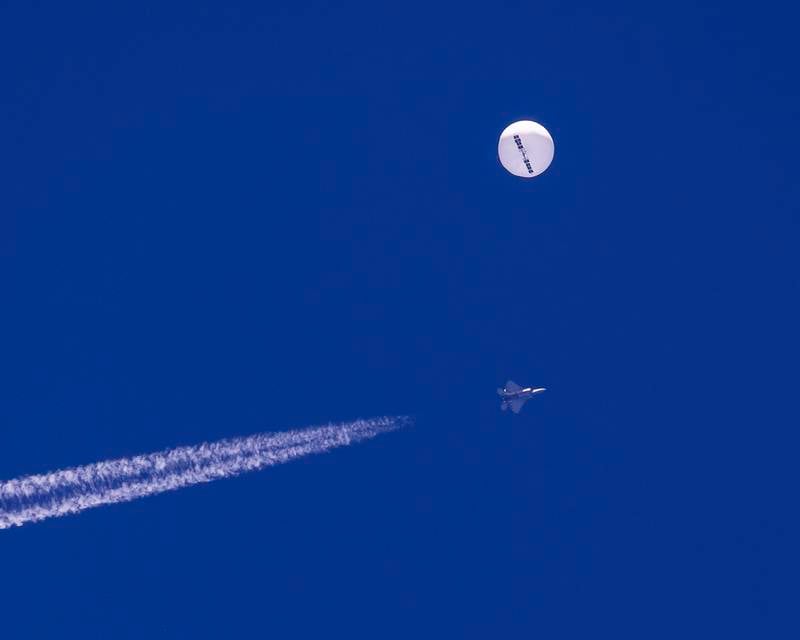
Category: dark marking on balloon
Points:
column 523, row 152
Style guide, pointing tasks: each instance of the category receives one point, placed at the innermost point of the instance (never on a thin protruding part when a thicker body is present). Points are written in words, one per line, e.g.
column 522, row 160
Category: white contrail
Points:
column 49, row 495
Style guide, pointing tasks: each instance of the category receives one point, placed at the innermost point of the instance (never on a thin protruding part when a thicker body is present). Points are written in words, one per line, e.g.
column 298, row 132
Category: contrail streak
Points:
column 59, row 493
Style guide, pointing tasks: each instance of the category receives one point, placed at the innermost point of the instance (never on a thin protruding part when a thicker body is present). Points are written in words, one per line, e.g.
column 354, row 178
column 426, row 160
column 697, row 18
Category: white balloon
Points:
column 526, row 148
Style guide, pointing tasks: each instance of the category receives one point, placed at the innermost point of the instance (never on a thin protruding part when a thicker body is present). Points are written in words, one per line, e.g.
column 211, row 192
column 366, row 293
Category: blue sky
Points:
column 226, row 218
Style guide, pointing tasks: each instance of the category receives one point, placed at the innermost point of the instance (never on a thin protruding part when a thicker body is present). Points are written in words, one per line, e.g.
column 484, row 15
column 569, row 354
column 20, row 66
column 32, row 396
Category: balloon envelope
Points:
column 526, row 148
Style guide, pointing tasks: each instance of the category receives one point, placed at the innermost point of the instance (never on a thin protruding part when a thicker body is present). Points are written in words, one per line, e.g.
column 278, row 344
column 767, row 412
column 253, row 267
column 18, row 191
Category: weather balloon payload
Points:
column 525, row 148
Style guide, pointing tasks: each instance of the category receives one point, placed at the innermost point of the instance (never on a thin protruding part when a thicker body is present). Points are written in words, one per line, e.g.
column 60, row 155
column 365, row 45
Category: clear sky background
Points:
column 223, row 218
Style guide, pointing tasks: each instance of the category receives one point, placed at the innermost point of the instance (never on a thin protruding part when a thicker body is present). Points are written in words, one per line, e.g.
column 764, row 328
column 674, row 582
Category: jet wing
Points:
column 512, row 387
column 516, row 404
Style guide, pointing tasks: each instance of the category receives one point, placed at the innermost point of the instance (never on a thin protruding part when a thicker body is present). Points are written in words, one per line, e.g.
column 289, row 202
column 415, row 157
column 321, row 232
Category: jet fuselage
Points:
column 527, row 392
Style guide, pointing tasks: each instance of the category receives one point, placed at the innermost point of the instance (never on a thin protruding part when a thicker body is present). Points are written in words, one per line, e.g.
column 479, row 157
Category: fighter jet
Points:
column 515, row 396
